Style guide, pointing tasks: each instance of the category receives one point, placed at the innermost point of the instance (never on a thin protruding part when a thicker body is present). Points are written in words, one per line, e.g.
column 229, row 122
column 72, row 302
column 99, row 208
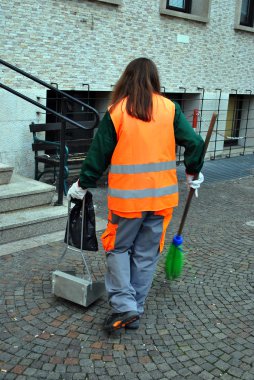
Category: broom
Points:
column 175, row 256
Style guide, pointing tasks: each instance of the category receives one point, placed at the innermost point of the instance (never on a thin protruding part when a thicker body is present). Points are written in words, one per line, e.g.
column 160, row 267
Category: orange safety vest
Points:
column 142, row 175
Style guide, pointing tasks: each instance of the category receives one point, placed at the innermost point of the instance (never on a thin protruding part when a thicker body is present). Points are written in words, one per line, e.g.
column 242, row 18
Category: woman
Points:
column 137, row 138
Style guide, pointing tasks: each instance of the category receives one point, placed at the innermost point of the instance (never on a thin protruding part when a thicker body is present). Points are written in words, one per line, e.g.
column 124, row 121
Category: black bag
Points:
column 90, row 242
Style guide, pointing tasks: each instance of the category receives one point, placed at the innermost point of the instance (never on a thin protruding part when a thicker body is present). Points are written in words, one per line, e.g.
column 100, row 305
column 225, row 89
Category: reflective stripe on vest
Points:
column 142, row 175
column 146, row 193
column 142, row 168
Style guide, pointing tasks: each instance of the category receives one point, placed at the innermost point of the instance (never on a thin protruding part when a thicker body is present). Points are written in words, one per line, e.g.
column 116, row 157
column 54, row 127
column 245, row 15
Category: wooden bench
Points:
column 47, row 151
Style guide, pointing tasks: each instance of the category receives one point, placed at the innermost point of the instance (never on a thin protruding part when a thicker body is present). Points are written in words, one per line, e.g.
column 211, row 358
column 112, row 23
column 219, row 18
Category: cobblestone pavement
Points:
column 200, row 326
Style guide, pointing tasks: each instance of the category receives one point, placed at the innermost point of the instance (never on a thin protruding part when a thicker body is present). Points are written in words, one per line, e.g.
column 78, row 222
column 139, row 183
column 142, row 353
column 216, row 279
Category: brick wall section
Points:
column 80, row 41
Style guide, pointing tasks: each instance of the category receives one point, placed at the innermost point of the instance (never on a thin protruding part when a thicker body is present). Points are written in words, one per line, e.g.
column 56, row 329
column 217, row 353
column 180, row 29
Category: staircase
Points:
column 26, row 208
column 28, row 217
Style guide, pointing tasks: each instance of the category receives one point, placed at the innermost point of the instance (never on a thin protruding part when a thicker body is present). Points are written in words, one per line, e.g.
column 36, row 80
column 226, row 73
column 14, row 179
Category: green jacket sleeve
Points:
column 99, row 154
column 194, row 145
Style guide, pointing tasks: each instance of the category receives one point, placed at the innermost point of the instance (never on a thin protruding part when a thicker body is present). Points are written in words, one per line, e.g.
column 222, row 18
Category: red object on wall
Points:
column 195, row 118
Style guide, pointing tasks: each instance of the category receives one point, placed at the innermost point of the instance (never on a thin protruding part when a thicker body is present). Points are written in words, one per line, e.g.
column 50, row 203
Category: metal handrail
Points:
column 63, row 118
column 45, row 84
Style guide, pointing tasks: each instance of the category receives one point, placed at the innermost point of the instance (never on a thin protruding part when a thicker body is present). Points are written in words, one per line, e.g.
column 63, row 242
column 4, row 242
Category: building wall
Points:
column 72, row 42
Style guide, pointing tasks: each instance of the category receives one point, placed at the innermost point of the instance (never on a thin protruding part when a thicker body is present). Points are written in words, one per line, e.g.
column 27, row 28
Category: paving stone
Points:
column 53, row 376
column 222, row 365
column 30, row 371
column 79, row 376
column 144, row 376
column 237, row 372
column 206, row 375
column 184, row 372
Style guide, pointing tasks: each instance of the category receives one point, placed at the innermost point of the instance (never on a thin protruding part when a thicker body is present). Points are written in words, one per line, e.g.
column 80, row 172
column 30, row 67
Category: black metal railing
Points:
column 64, row 119
column 234, row 129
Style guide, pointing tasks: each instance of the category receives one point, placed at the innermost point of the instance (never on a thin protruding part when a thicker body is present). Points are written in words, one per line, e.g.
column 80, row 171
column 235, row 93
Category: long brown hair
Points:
column 138, row 82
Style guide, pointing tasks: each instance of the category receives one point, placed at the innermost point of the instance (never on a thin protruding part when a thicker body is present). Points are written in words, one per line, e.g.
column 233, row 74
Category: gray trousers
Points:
column 132, row 262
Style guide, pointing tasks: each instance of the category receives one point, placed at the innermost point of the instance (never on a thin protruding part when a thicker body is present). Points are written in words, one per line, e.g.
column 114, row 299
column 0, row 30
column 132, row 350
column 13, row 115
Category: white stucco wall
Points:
column 15, row 138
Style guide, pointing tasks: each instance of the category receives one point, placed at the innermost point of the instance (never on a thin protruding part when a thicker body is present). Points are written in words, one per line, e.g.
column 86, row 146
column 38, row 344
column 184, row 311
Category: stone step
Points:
column 36, row 241
column 5, row 173
column 34, row 221
column 23, row 192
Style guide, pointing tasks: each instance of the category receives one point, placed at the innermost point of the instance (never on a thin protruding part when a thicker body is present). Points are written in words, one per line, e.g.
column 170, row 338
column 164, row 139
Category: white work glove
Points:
column 76, row 192
column 194, row 183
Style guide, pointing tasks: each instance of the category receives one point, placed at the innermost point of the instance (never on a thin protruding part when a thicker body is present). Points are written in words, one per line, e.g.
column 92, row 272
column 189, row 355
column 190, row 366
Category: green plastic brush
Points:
column 174, row 262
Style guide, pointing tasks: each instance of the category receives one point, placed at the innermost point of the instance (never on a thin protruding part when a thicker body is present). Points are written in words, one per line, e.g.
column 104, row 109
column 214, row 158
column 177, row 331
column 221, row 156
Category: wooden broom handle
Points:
column 191, row 192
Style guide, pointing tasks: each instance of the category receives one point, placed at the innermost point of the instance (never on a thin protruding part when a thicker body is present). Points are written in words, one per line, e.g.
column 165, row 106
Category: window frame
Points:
column 112, row 2
column 199, row 14
column 238, row 25
column 250, row 15
column 186, row 9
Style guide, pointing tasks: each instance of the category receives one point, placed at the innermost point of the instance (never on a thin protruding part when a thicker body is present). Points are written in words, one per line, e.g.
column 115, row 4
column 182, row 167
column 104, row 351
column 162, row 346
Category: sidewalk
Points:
column 200, row 326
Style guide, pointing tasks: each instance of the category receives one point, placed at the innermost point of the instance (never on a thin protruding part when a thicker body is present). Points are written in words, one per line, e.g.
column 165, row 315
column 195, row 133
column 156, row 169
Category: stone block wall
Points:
column 75, row 41
column 71, row 42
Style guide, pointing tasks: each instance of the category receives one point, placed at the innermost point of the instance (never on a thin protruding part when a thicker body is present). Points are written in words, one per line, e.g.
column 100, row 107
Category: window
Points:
column 179, row 5
column 195, row 10
column 113, row 2
column 233, row 121
column 247, row 13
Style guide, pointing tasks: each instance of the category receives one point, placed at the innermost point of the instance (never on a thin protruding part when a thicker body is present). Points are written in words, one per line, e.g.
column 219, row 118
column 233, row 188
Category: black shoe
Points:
column 119, row 320
column 133, row 325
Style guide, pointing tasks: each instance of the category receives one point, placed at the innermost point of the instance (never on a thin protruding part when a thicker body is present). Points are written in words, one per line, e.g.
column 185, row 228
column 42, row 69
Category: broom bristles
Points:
column 174, row 262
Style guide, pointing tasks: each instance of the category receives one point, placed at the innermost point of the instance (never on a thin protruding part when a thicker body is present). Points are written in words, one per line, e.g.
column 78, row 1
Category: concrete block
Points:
column 5, row 173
